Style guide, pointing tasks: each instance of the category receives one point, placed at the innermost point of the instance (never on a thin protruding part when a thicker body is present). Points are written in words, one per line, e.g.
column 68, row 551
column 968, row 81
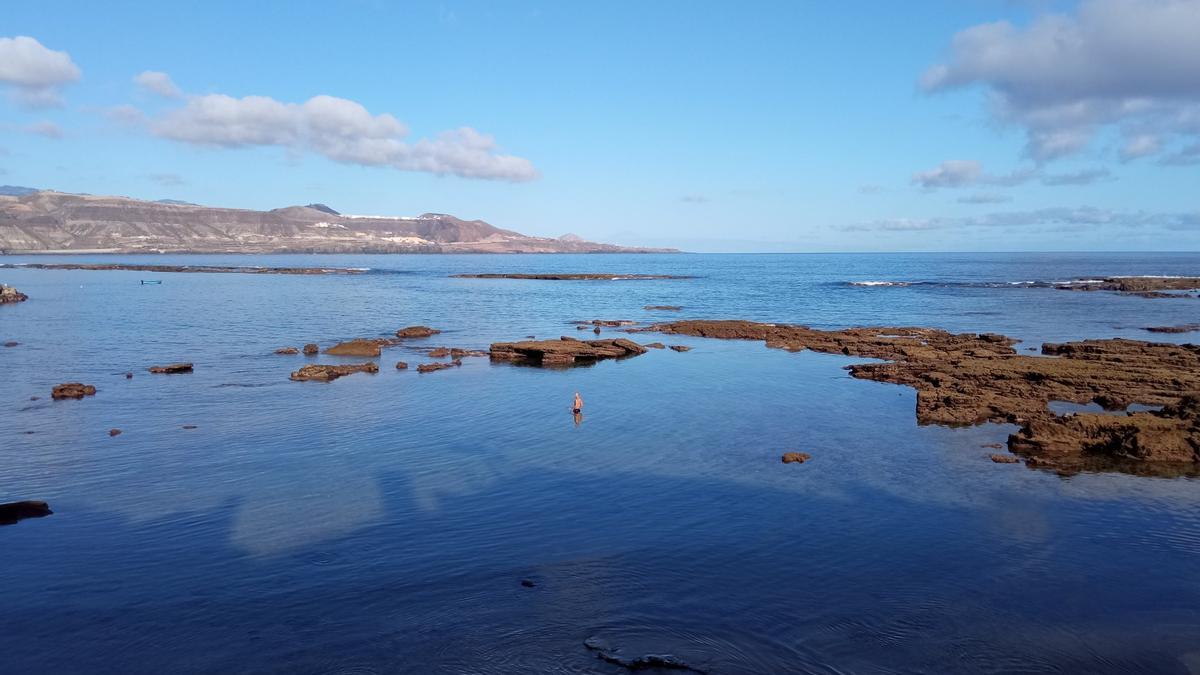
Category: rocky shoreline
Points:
column 1148, row 287
column 209, row 269
column 967, row 379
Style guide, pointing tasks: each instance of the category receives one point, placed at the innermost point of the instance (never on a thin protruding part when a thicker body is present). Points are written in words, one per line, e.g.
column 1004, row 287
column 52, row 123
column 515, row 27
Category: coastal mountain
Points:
column 47, row 221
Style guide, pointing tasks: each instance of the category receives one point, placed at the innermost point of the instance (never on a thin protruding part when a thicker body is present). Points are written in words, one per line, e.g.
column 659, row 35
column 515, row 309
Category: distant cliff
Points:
column 53, row 221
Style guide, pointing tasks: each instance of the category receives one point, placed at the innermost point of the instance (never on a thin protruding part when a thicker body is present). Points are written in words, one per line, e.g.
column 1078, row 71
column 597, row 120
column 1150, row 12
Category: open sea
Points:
column 385, row 523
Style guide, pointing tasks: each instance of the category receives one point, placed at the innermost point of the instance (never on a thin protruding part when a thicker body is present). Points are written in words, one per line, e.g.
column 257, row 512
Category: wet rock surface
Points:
column 651, row 662
column 655, row 345
column 1005, row 459
column 400, row 365
column 564, row 351
column 1152, row 286
column 172, row 369
column 10, row 295
column 69, row 390
column 328, row 373
column 1185, row 328
column 311, row 349
column 680, row 348
column 14, row 512
column 966, row 379
column 287, row 350
column 662, row 308
column 11, row 343
column 359, row 347
column 416, row 332
column 114, row 432
column 796, row 457
column 573, row 277
column 439, row 352
column 431, row 367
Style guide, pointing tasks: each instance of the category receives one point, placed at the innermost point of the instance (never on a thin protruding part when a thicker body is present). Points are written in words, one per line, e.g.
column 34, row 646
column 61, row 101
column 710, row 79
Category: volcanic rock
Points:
column 662, row 308
column 74, row 390
column 681, row 348
column 564, row 351
column 114, row 432
column 287, row 350
column 964, row 379
column 13, row 512
column 358, row 347
column 416, row 332
column 400, row 365
column 327, row 373
column 172, row 369
column 796, row 457
column 311, row 349
column 8, row 294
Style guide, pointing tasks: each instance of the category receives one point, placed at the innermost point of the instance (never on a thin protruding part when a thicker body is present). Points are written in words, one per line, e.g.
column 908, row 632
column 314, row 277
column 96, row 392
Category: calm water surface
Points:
column 384, row 523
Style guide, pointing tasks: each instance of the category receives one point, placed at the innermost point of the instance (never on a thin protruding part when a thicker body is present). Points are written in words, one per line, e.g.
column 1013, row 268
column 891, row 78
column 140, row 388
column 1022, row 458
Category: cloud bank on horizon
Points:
column 1100, row 97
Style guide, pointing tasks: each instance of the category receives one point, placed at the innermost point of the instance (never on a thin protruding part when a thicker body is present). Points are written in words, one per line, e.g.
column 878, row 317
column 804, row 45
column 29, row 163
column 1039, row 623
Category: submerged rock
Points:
column 662, row 308
column 14, row 512
column 287, row 350
column 1185, row 328
column 1005, row 459
column 573, row 277
column 655, row 345
column 311, row 349
column 416, row 332
column 964, row 379
column 617, row 657
column 114, row 432
column 1147, row 286
column 400, row 365
column 74, row 390
column 796, row 457
column 564, row 351
column 172, row 369
column 431, row 367
column 327, row 373
column 439, row 353
column 681, row 348
column 456, row 353
column 359, row 347
column 11, row 343
column 8, row 294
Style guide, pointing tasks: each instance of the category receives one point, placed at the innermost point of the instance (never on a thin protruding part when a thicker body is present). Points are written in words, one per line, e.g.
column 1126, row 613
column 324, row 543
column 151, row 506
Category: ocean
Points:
column 385, row 523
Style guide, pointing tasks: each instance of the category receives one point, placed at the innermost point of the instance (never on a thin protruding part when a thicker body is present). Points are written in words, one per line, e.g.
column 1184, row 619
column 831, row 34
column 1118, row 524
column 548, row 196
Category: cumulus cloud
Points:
column 157, row 83
column 45, row 128
column 339, row 129
column 35, row 74
column 1132, row 64
column 1083, row 217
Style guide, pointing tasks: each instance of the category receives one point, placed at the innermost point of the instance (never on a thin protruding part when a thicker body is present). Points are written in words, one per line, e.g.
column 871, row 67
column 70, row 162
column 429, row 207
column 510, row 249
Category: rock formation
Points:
column 13, row 512
column 416, row 332
column 311, row 349
column 327, row 373
column 564, row 351
column 287, row 350
column 172, row 369
column 796, row 457
column 359, row 347
column 8, row 294
column 74, row 390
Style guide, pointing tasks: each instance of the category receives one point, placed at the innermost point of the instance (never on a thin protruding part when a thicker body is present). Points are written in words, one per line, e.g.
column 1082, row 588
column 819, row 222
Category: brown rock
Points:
column 796, row 457
column 114, row 432
column 1005, row 459
column 439, row 353
column 655, row 345
column 8, row 294
column 565, row 351
column 662, row 308
column 172, row 369
column 188, row 426
column 287, row 350
column 456, row 353
column 596, row 330
column 681, row 348
column 11, row 343
column 969, row 379
column 431, row 367
column 129, row 376
column 358, row 347
column 400, row 365
column 416, row 332
column 993, row 446
column 1185, row 328
column 311, row 349
column 13, row 512
column 327, row 373
column 74, row 390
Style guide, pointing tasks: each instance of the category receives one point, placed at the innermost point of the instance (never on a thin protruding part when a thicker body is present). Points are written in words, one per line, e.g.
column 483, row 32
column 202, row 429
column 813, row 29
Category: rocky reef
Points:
column 564, row 351
column 1153, row 287
column 360, row 347
column 8, row 295
column 417, row 332
column 69, row 390
column 14, row 512
column 964, row 379
column 172, row 369
column 327, row 373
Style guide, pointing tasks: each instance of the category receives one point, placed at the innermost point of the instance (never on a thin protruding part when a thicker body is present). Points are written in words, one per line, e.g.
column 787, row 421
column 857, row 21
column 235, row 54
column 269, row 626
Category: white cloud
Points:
column 157, row 83
column 339, row 129
column 35, row 73
column 1133, row 64
column 45, row 128
column 1082, row 177
column 1083, row 217
column 950, row 173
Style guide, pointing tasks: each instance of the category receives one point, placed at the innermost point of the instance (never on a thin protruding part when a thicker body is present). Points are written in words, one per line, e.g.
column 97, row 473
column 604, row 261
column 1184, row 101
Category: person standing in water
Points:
column 577, row 407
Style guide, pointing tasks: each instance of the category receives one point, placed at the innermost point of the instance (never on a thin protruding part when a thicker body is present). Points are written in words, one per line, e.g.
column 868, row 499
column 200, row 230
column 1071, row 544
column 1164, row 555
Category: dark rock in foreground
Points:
column 796, row 457
column 564, row 351
column 74, row 390
column 172, row 369
column 287, row 350
column 606, row 652
column 8, row 294
column 416, row 332
column 573, row 277
column 964, row 379
column 326, row 373
column 13, row 512
column 359, row 347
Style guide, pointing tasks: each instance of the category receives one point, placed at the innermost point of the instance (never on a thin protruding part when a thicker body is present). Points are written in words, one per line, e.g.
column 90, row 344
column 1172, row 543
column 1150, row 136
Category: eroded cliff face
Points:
column 969, row 379
column 55, row 221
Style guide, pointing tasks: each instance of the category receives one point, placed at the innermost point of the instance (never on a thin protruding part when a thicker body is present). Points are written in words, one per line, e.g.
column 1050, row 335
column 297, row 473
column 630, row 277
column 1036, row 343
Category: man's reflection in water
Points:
column 578, row 418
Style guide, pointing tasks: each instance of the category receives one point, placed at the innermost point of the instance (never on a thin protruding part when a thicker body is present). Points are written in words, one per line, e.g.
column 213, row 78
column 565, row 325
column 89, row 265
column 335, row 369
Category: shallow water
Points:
column 384, row 523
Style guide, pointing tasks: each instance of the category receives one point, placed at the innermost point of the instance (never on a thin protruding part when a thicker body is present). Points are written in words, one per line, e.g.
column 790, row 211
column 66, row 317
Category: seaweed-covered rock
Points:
column 416, row 332
column 359, row 347
column 14, row 512
column 172, row 369
column 75, row 390
column 564, row 351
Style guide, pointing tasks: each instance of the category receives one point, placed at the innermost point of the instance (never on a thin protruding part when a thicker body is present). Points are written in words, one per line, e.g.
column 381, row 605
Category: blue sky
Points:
column 762, row 126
